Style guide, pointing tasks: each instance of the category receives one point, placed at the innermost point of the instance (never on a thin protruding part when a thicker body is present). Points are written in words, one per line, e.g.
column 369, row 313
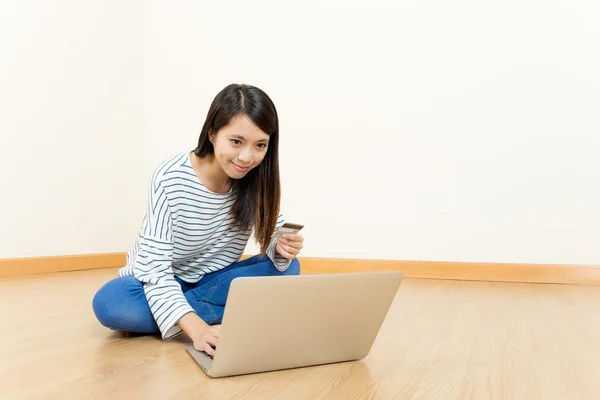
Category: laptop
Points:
column 281, row 322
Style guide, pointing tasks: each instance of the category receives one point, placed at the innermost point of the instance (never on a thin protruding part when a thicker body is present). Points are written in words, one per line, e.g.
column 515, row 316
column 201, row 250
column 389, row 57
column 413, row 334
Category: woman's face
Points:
column 240, row 146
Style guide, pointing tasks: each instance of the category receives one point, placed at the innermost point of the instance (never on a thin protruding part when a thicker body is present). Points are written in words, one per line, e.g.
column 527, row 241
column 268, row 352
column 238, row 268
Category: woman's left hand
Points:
column 289, row 245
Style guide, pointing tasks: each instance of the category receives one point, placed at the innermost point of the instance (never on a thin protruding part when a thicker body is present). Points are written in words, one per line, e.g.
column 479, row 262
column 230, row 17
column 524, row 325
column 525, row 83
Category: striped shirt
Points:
column 187, row 232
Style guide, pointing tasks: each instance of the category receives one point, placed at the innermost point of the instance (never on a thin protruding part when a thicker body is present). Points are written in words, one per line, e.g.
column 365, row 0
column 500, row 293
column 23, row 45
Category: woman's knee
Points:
column 120, row 304
column 105, row 301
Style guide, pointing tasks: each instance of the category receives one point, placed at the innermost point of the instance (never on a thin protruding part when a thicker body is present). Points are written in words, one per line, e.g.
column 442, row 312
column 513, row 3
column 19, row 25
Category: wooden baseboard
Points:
column 493, row 272
column 473, row 271
column 42, row 265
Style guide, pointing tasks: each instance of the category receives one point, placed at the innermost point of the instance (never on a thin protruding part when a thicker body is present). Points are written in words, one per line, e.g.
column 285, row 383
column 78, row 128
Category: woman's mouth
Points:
column 239, row 168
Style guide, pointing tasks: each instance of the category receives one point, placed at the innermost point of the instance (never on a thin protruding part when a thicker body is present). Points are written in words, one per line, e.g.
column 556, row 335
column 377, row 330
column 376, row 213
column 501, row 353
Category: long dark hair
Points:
column 259, row 192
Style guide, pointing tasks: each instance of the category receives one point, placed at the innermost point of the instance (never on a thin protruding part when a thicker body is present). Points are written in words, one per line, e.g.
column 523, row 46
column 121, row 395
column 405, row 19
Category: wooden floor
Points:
column 442, row 340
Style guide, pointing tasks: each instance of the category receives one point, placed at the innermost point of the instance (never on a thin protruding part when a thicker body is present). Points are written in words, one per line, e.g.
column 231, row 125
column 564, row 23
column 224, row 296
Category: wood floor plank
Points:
column 441, row 340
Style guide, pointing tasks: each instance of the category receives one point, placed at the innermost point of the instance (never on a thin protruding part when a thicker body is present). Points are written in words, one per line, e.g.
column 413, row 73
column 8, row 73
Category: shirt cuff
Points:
column 170, row 328
column 280, row 262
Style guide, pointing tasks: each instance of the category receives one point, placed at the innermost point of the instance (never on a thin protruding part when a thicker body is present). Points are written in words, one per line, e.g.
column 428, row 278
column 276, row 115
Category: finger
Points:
column 297, row 245
column 286, row 254
column 205, row 347
column 290, row 250
column 211, row 340
column 289, row 246
column 281, row 250
column 293, row 250
column 208, row 350
column 293, row 237
column 294, row 243
column 199, row 347
column 279, row 247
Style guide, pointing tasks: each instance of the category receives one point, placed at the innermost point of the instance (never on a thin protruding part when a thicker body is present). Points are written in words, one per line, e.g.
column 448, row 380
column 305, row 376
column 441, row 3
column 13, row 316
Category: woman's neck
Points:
column 210, row 174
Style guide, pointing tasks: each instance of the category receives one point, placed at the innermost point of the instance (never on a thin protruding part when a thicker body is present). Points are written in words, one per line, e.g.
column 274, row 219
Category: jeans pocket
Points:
column 212, row 315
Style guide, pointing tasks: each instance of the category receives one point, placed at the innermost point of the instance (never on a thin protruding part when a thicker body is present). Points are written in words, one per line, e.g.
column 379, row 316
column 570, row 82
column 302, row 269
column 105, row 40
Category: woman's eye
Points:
column 262, row 145
column 235, row 141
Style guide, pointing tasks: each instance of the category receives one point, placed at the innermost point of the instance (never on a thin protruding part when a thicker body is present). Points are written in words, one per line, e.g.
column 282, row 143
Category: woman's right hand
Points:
column 204, row 336
column 206, row 340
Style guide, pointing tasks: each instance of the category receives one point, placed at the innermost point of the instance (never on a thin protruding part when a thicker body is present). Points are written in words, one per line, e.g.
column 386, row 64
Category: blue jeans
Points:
column 121, row 303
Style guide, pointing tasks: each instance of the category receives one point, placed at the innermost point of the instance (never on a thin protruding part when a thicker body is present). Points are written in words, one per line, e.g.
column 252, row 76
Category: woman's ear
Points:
column 211, row 136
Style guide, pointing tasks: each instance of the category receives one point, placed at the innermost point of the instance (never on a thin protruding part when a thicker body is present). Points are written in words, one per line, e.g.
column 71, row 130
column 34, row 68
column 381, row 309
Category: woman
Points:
column 202, row 207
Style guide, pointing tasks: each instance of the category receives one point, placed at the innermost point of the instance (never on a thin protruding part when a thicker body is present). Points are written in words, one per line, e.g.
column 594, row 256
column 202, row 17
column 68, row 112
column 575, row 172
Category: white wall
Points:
column 427, row 130
column 72, row 128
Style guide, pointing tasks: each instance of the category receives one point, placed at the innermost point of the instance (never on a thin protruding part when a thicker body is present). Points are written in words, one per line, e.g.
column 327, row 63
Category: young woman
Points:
column 202, row 208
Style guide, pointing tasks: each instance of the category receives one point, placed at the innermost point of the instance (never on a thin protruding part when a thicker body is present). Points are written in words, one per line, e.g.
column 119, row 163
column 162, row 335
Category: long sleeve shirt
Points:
column 187, row 232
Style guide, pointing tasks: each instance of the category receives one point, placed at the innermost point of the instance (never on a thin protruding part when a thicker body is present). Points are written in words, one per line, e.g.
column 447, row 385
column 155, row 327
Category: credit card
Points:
column 288, row 227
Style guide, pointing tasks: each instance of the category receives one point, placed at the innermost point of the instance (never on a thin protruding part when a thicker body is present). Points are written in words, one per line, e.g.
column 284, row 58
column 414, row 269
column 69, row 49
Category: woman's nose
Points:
column 245, row 156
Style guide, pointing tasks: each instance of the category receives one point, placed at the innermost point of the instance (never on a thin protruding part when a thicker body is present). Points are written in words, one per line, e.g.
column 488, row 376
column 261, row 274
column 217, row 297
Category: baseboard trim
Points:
column 470, row 271
column 42, row 265
column 473, row 271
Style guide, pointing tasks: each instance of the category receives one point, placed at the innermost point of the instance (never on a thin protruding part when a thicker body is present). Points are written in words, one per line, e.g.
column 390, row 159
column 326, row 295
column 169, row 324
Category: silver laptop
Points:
column 282, row 322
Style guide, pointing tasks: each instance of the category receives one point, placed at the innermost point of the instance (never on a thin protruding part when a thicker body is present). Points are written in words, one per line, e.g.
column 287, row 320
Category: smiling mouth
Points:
column 242, row 169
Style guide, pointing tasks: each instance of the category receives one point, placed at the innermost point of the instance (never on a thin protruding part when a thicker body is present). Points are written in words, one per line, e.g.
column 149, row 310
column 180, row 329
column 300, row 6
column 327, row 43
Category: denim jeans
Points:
column 121, row 303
